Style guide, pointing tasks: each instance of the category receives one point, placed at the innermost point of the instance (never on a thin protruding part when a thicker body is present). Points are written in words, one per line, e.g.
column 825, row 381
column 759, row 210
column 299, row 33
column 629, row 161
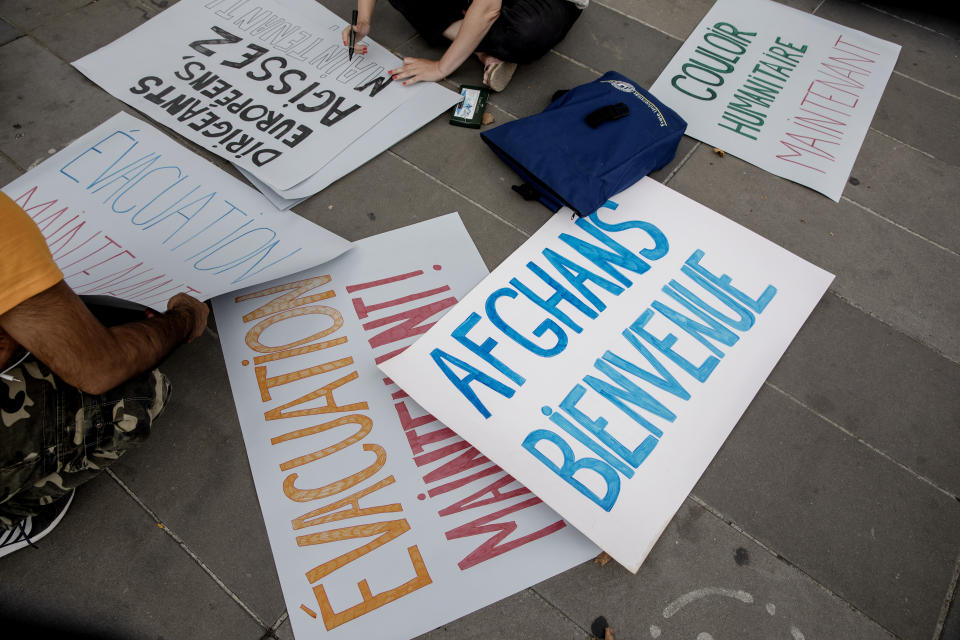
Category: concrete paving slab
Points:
column 8, row 171
column 924, row 55
column 882, row 386
column 440, row 150
column 522, row 615
column 28, row 15
column 880, row 268
column 460, row 159
column 863, row 527
column 52, row 102
column 704, row 579
column 933, row 15
column 109, row 571
column 194, row 474
column 77, row 33
column 882, row 170
column 8, row 32
column 607, row 40
column 951, row 624
column 388, row 193
column 922, row 117
column 676, row 18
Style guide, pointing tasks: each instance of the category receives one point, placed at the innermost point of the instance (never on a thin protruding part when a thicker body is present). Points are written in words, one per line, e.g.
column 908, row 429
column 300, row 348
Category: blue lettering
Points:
column 560, row 293
column 665, row 346
column 598, row 428
column 627, row 391
column 557, row 418
column 714, row 329
column 513, row 334
column 572, row 465
column 485, row 350
column 578, row 275
column 441, row 358
column 97, row 149
column 724, row 282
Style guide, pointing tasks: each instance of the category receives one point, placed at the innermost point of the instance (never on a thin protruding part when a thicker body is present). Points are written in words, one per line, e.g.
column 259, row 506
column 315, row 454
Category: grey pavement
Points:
column 831, row 512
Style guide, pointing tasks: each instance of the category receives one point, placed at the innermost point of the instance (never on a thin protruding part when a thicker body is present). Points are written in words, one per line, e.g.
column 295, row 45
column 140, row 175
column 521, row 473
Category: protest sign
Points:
column 129, row 213
column 268, row 86
column 382, row 522
column 785, row 90
column 605, row 362
column 398, row 124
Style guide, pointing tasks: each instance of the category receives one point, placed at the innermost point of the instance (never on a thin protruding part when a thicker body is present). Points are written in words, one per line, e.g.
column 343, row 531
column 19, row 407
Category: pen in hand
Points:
column 353, row 34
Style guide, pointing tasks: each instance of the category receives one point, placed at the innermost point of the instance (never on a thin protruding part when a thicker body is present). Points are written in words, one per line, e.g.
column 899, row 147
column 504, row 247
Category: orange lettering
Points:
column 253, row 335
column 364, row 423
column 287, row 301
column 306, row 495
column 316, row 516
column 329, row 406
column 266, row 383
column 333, row 619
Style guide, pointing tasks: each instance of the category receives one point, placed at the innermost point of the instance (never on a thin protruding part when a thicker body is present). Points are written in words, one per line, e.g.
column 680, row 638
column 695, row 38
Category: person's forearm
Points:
column 141, row 345
column 477, row 21
column 61, row 332
column 365, row 12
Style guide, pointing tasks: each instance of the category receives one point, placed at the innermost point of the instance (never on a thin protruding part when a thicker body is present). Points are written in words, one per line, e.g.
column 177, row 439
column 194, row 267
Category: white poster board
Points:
column 605, row 362
column 268, row 86
column 783, row 89
column 382, row 522
column 129, row 213
column 398, row 124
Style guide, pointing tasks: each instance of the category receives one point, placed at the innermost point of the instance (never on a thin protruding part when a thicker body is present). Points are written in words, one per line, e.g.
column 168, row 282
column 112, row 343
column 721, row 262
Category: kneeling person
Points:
column 74, row 394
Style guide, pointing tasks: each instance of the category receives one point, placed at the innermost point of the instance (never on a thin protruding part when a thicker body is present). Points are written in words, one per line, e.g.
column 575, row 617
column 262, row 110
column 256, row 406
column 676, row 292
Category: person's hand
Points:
column 193, row 309
column 418, row 70
column 362, row 29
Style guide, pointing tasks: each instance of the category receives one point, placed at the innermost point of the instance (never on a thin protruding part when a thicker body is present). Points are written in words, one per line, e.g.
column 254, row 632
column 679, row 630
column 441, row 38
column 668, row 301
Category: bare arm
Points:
column 477, row 21
column 62, row 333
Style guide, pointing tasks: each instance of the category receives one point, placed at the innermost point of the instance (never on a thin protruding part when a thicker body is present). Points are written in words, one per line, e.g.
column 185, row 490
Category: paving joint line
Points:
column 900, row 226
column 12, row 161
column 906, row 144
column 646, row 24
column 559, row 611
column 682, row 163
column 899, row 330
column 733, row 525
column 459, row 193
column 576, row 62
column 949, row 600
column 817, row 8
column 878, row 451
column 183, row 545
column 929, row 86
column 907, row 20
column 283, row 618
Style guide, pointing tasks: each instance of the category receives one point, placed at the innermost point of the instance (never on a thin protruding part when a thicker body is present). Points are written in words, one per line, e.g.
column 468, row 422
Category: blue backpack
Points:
column 589, row 144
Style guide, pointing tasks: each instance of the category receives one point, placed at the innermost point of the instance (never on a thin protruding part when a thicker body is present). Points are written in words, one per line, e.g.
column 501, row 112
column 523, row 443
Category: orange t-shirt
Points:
column 26, row 266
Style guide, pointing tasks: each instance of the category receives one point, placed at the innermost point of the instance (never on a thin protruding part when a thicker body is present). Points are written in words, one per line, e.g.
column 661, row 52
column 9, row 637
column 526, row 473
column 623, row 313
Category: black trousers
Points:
column 525, row 31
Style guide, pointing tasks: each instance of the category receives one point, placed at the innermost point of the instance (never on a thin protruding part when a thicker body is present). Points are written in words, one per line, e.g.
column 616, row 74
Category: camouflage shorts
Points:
column 54, row 437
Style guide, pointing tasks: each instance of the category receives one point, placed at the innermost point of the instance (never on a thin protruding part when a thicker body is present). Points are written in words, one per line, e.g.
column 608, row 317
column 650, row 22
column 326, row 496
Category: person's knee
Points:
column 537, row 27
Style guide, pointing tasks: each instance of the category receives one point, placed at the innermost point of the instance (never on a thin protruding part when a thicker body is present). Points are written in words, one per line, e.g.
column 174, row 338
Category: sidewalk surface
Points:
column 831, row 511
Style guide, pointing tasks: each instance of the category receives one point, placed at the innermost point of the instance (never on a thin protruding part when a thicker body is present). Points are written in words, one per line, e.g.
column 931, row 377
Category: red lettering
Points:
column 492, row 547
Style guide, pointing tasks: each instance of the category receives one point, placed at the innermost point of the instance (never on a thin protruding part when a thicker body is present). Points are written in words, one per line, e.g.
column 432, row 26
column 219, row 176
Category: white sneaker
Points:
column 32, row 528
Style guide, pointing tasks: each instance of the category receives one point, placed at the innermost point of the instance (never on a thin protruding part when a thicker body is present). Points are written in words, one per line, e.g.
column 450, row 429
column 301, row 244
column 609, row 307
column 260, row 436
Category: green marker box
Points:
column 469, row 111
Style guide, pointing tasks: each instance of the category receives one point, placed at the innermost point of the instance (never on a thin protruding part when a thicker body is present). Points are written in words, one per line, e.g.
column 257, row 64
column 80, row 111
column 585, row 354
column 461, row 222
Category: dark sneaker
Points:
column 32, row 528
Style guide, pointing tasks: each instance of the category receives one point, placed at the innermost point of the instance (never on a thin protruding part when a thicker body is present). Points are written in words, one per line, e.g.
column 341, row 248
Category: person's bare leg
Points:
column 451, row 32
column 496, row 72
